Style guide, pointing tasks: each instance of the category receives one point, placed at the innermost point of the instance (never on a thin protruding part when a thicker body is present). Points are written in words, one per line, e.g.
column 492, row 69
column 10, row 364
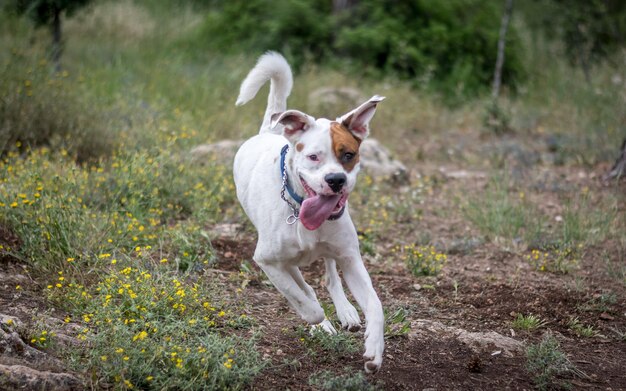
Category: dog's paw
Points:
column 374, row 347
column 372, row 366
column 325, row 326
column 349, row 318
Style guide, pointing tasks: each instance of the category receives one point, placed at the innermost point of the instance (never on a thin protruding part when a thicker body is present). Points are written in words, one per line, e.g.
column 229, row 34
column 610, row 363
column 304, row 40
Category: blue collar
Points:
column 283, row 173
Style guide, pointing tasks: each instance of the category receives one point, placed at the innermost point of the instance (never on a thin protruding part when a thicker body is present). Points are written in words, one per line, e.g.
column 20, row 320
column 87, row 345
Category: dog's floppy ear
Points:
column 357, row 121
column 294, row 123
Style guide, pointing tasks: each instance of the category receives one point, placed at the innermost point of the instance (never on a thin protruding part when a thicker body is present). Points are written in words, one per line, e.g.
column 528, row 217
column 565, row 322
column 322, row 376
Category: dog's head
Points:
column 326, row 157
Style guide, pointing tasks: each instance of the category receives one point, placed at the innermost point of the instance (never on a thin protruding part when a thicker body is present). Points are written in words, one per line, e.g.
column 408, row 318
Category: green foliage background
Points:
column 448, row 46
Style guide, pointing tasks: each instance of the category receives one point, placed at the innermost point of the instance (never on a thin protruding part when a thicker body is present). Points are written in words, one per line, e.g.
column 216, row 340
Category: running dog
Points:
column 293, row 180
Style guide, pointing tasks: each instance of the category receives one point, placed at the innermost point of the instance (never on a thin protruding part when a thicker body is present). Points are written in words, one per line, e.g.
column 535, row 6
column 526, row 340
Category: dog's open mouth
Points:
column 317, row 208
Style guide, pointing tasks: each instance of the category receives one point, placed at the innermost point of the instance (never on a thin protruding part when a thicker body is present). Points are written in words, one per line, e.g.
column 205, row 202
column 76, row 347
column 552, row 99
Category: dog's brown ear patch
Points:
column 345, row 145
column 299, row 147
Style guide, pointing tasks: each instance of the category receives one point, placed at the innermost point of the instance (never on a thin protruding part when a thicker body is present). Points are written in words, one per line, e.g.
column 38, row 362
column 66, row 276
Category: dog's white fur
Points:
column 282, row 248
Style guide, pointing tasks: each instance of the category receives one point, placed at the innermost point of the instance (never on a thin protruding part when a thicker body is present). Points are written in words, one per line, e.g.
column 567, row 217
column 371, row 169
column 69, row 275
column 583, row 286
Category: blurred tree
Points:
column 591, row 30
column 504, row 25
column 48, row 12
column 444, row 45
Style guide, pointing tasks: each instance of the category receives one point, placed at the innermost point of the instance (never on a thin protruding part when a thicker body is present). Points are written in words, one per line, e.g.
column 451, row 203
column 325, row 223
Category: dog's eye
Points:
column 348, row 156
column 313, row 158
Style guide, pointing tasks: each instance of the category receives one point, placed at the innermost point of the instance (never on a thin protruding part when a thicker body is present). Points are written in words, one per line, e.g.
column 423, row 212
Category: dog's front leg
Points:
column 360, row 285
column 304, row 304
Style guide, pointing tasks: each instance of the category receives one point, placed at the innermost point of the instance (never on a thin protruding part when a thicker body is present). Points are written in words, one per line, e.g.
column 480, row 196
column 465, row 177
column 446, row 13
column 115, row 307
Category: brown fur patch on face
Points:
column 299, row 147
column 345, row 146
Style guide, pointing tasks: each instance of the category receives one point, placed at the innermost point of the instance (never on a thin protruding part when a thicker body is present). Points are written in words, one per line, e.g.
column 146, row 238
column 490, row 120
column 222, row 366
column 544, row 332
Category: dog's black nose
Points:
column 336, row 181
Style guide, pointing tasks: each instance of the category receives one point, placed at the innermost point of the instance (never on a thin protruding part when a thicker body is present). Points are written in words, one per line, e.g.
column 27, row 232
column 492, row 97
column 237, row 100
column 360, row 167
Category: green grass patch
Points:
column 547, row 363
column 580, row 329
column 555, row 260
column 318, row 342
column 527, row 322
column 500, row 213
column 421, row 260
column 348, row 381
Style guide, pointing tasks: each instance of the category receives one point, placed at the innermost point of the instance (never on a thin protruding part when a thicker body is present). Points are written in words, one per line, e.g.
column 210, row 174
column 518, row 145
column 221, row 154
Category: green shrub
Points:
column 39, row 107
column 154, row 329
column 349, row 381
column 421, row 260
column 450, row 46
column 546, row 362
column 134, row 203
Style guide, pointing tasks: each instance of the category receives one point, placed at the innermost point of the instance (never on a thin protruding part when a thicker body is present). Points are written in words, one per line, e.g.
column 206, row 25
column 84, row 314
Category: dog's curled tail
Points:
column 271, row 66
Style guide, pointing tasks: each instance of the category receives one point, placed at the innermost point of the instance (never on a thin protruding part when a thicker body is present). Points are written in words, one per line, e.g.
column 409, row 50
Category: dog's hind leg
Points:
column 310, row 293
column 347, row 314
column 300, row 300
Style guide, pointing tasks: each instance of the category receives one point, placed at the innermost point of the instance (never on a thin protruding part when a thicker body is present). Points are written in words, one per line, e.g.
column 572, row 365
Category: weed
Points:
column 348, row 381
column 319, row 340
column 527, row 322
column 546, row 362
column 587, row 223
column 599, row 303
column 42, row 338
column 397, row 323
column 41, row 108
column 580, row 329
column 498, row 214
column 496, row 119
column 558, row 260
column 615, row 269
column 421, row 260
column 153, row 329
column 621, row 335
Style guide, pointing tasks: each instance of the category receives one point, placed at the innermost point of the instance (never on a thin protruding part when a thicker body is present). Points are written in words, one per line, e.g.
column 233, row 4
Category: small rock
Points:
column 222, row 152
column 377, row 161
column 479, row 342
column 462, row 174
column 605, row 316
column 26, row 378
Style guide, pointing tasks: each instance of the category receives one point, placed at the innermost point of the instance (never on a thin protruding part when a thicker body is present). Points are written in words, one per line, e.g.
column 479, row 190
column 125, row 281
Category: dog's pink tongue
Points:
column 315, row 210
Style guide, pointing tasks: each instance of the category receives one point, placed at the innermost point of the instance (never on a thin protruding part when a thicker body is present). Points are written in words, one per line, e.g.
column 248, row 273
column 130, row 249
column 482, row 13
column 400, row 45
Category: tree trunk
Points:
column 504, row 26
column 340, row 5
column 57, row 44
column 619, row 168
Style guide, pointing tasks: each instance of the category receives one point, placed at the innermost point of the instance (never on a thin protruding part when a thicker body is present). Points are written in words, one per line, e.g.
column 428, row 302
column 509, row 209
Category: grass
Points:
column 397, row 323
column 500, row 213
column 421, row 260
column 580, row 329
column 547, row 363
column 329, row 345
column 555, row 260
column 527, row 322
column 348, row 381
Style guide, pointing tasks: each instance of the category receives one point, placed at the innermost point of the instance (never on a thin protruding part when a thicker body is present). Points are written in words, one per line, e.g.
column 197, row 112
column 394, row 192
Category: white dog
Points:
column 293, row 180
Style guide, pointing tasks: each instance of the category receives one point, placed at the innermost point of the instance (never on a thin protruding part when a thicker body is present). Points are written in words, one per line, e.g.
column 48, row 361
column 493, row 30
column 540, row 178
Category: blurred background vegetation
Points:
column 118, row 64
